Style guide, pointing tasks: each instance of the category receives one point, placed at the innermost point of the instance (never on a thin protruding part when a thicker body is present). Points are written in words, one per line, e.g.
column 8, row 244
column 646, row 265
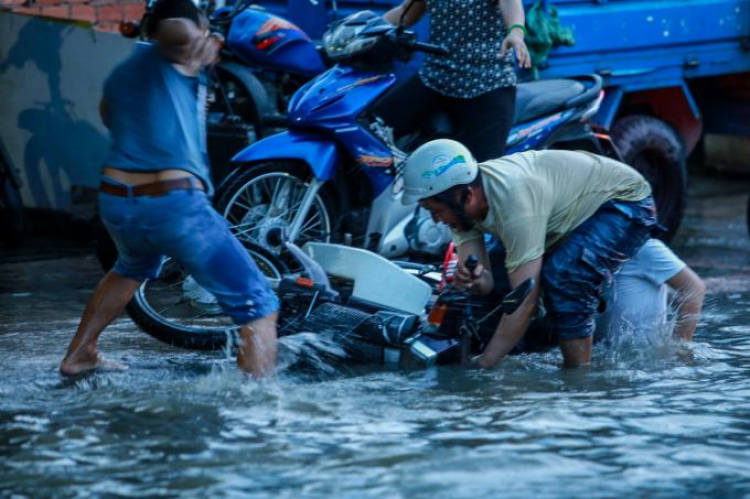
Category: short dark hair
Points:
column 170, row 9
column 456, row 195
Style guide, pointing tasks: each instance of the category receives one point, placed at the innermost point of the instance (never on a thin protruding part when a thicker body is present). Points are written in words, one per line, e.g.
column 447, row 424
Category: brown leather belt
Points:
column 155, row 189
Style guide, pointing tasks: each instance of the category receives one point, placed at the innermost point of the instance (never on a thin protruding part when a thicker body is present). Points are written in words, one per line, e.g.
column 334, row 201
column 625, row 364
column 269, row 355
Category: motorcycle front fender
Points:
column 317, row 150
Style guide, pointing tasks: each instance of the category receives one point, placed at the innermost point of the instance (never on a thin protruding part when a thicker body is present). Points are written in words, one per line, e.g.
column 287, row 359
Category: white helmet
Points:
column 435, row 167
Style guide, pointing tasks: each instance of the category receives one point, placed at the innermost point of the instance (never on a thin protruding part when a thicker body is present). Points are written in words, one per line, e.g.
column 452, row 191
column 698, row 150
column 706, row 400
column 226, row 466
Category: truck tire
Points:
column 653, row 148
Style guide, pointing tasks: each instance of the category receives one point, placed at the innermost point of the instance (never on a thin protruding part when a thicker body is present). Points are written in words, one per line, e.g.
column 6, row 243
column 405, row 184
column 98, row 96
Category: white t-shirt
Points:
column 638, row 304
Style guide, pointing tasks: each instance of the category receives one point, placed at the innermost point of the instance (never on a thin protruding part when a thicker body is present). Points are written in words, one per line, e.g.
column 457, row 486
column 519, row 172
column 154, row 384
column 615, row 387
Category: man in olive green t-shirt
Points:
column 567, row 219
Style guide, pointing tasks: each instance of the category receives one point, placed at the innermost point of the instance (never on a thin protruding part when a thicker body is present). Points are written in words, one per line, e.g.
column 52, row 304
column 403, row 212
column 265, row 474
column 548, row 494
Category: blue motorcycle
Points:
column 265, row 60
column 334, row 174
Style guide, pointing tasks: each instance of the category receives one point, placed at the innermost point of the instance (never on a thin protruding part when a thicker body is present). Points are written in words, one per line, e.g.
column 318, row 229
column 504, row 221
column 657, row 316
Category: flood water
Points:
column 655, row 421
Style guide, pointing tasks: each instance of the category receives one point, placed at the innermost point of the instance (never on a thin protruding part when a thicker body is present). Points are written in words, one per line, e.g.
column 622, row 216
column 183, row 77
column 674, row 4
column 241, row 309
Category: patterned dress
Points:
column 473, row 32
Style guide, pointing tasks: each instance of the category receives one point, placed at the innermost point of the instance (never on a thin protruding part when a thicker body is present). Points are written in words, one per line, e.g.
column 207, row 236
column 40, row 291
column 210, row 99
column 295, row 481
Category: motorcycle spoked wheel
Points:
column 260, row 202
column 174, row 309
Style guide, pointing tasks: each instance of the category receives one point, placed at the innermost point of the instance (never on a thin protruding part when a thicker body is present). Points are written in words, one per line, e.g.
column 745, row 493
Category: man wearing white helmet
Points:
column 567, row 219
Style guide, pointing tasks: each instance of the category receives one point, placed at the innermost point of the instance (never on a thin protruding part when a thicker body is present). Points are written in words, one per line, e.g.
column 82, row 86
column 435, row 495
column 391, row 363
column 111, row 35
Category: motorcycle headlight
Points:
column 352, row 36
column 344, row 42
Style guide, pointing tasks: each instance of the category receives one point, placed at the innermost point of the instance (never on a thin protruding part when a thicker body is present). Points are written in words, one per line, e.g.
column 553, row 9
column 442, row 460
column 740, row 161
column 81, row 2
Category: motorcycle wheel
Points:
column 172, row 308
column 260, row 202
column 653, row 148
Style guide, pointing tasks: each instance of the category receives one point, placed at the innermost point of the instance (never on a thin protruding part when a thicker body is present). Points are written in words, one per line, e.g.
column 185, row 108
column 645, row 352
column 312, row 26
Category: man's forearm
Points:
column 688, row 313
column 512, row 327
column 176, row 38
column 691, row 291
column 416, row 10
column 393, row 15
column 507, row 335
column 182, row 42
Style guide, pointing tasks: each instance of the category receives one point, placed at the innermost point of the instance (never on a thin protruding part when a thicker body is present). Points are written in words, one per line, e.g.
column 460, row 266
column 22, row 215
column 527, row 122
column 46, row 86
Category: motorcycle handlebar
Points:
column 428, row 48
column 471, row 263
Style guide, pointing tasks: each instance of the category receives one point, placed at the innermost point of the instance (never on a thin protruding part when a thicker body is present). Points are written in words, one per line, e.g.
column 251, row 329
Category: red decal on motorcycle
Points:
column 536, row 126
column 450, row 265
column 275, row 24
column 379, row 161
column 266, row 43
column 363, row 81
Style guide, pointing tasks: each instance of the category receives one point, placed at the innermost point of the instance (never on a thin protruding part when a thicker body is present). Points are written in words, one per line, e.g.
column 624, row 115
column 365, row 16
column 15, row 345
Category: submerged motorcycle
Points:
column 383, row 319
column 376, row 313
column 334, row 175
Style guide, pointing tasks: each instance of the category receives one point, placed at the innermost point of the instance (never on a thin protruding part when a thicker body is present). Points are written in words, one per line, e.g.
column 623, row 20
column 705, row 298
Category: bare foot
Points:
column 72, row 366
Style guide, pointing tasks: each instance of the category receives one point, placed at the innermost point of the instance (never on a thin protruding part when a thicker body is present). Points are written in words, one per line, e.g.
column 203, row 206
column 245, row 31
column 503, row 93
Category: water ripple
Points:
column 656, row 420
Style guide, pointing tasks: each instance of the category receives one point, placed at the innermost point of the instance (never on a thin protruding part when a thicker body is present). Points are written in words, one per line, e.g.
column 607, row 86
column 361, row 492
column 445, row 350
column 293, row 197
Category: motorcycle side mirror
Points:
column 515, row 298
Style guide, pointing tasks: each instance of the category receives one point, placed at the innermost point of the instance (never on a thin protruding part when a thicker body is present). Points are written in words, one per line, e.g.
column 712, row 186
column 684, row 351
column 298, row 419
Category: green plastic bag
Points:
column 544, row 33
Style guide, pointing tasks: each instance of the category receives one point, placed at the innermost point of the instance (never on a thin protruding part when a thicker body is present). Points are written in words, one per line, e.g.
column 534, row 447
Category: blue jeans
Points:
column 184, row 226
column 576, row 273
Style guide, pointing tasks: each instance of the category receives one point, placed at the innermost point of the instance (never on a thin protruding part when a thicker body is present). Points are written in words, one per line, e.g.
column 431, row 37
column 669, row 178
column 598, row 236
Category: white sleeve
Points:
column 657, row 262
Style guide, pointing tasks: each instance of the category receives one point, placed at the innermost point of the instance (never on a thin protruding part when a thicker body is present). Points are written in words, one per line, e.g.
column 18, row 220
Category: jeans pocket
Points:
column 599, row 269
column 601, row 277
column 112, row 212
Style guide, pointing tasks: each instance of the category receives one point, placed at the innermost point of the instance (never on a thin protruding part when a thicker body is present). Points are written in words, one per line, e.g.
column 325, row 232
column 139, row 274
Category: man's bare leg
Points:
column 577, row 353
column 257, row 352
column 108, row 301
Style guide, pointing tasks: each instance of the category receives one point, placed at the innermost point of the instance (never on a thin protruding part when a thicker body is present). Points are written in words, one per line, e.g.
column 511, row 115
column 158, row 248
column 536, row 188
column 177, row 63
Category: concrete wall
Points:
column 51, row 78
column 104, row 15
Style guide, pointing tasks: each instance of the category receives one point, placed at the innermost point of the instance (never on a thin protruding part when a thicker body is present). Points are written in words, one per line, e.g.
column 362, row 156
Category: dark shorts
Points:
column 183, row 225
column 576, row 273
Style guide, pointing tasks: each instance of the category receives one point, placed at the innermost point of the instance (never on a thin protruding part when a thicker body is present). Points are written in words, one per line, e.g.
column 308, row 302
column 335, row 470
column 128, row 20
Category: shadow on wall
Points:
column 62, row 147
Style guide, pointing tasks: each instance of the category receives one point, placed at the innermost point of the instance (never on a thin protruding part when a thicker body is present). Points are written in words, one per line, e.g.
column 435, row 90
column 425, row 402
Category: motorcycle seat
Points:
column 539, row 98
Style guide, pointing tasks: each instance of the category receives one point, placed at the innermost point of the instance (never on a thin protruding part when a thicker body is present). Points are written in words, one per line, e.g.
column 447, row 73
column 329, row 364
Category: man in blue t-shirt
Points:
column 155, row 189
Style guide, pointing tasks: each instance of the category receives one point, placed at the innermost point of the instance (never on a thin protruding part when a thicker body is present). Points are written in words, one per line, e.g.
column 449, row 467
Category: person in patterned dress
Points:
column 475, row 84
